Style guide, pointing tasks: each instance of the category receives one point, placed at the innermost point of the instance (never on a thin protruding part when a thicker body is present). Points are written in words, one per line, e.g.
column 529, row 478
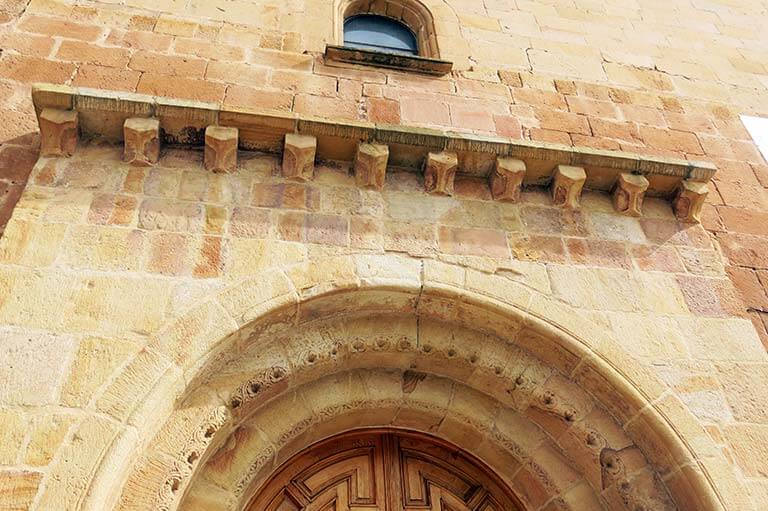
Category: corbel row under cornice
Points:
column 132, row 119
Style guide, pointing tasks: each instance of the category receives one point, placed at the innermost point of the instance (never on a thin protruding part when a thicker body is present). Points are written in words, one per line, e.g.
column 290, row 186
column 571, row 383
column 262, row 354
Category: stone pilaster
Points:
column 507, row 178
column 440, row 172
column 142, row 141
column 221, row 148
column 371, row 165
column 58, row 132
column 299, row 157
column 688, row 201
column 629, row 193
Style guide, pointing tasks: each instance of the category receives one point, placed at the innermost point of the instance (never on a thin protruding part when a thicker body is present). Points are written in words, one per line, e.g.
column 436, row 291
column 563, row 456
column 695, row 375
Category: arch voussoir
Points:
column 385, row 312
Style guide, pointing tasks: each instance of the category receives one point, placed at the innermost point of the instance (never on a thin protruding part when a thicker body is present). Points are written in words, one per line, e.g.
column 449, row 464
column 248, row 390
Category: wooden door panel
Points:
column 383, row 471
column 355, row 474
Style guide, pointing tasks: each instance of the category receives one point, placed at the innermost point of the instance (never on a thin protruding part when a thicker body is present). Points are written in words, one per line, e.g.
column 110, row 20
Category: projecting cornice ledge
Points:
column 509, row 164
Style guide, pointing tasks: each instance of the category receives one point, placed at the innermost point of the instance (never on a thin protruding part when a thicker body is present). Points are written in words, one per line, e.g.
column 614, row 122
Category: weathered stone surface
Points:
column 440, row 172
column 743, row 385
column 629, row 194
column 139, row 376
column 75, row 462
column 142, row 141
column 221, row 148
column 164, row 215
column 58, row 132
column 13, row 430
column 299, row 157
column 95, row 360
column 18, row 488
column 45, row 436
column 750, row 446
column 103, row 248
column 71, row 265
column 705, row 340
column 507, row 178
column 689, row 201
column 33, row 368
column 371, row 165
column 567, row 185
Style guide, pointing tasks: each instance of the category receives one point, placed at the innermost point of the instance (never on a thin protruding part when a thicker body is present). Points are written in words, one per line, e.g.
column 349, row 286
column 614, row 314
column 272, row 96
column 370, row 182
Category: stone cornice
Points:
column 102, row 114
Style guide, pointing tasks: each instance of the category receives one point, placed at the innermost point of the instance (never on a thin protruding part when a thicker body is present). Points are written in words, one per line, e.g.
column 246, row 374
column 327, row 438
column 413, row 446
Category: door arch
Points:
column 200, row 434
column 383, row 470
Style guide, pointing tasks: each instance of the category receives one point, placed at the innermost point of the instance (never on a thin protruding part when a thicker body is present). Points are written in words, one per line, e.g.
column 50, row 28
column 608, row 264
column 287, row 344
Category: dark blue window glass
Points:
column 371, row 32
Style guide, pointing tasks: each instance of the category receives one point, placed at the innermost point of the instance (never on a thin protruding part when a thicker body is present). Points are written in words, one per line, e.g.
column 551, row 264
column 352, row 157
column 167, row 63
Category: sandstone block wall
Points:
column 665, row 79
column 99, row 255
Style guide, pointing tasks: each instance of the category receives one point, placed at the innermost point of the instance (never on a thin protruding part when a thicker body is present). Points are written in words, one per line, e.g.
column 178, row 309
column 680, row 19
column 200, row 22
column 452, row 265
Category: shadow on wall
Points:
column 17, row 158
column 19, row 146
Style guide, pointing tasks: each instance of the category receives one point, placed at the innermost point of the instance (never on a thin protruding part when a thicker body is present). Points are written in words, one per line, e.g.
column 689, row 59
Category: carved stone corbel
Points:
column 507, row 179
column 221, row 148
column 688, row 201
column 142, row 141
column 629, row 194
column 58, row 132
column 371, row 165
column 299, row 157
column 567, row 185
column 440, row 172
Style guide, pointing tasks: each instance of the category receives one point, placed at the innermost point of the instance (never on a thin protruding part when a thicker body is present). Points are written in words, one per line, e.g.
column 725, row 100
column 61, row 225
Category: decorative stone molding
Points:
column 629, row 194
column 507, row 178
column 58, row 132
column 220, row 148
column 628, row 483
column 688, row 201
column 142, row 141
column 567, row 185
column 439, row 172
column 465, row 298
column 371, row 165
column 257, row 387
column 299, row 157
column 193, row 448
column 339, row 140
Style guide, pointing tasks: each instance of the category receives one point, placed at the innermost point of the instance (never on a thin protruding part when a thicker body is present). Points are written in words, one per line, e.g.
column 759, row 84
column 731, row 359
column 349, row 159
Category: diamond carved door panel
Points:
column 383, row 471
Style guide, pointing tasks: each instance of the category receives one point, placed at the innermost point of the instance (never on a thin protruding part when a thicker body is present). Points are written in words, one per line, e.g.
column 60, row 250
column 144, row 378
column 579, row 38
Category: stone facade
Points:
column 176, row 324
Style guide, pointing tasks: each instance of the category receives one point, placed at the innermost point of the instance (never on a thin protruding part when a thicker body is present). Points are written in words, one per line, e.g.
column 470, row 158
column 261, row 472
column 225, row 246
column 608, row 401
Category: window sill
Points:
column 388, row 60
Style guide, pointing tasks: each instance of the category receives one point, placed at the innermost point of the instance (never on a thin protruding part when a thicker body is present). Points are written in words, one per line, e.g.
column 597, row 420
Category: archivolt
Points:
column 603, row 430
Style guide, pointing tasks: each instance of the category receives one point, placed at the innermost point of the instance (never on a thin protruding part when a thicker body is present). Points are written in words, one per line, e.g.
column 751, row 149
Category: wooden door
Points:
column 383, row 471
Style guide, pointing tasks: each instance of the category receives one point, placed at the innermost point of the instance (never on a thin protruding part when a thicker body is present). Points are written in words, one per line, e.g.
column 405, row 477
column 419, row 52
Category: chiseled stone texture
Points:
column 299, row 157
column 220, row 148
column 440, row 173
column 34, row 367
column 371, row 165
column 18, row 488
column 91, row 299
column 142, row 141
column 647, row 100
column 567, row 184
column 629, row 194
column 98, row 257
column 58, row 132
column 507, row 178
column 689, row 201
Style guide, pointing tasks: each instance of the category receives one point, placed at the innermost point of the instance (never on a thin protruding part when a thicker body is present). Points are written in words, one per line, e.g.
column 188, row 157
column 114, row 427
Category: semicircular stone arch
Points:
column 257, row 347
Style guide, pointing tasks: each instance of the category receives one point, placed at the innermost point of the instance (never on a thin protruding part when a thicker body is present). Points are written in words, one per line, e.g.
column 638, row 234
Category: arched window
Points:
column 393, row 34
column 380, row 33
